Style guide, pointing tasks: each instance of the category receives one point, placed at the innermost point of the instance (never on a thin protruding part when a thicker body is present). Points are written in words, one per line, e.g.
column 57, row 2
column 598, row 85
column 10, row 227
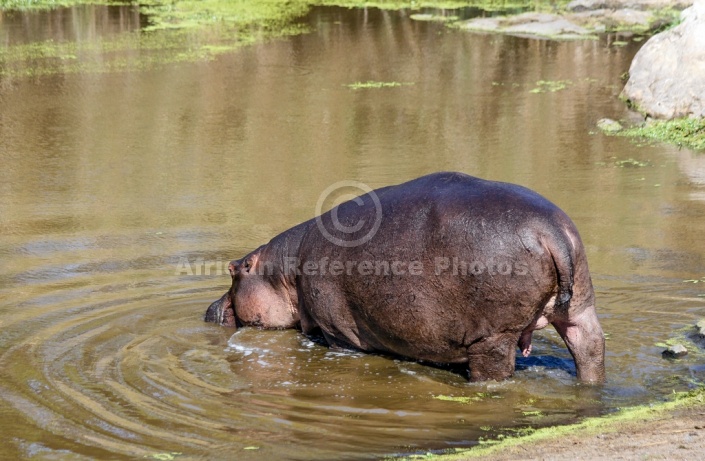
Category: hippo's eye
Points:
column 247, row 265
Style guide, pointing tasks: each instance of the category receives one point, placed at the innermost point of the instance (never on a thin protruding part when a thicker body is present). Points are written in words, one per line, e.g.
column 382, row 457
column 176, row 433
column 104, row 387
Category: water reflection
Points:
column 110, row 180
column 89, row 23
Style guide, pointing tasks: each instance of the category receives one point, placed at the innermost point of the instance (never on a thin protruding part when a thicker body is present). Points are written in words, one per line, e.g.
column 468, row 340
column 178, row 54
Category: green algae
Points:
column 271, row 14
column 450, row 398
column 551, row 86
column 685, row 132
column 478, row 397
column 376, row 85
column 178, row 31
column 47, row 4
column 172, row 37
column 127, row 51
column 691, row 339
column 631, row 163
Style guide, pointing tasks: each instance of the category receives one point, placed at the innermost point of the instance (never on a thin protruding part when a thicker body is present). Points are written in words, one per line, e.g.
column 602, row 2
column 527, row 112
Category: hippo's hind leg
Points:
column 493, row 357
column 583, row 335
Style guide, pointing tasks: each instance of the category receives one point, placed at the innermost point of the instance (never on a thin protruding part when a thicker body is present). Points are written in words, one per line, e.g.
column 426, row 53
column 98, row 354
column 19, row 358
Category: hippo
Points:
column 446, row 268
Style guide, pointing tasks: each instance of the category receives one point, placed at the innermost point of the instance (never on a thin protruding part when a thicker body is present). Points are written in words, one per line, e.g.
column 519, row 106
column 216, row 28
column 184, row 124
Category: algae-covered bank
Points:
column 671, row 430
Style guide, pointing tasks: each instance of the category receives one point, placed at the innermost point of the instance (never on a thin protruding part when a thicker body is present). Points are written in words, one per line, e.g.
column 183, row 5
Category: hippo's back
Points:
column 465, row 196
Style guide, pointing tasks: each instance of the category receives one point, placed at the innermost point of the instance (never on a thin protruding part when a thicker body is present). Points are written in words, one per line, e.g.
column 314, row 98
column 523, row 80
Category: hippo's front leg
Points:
column 493, row 357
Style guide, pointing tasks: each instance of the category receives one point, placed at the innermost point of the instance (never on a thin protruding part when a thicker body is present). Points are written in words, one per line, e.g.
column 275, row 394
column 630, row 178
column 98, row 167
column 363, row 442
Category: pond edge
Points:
column 621, row 421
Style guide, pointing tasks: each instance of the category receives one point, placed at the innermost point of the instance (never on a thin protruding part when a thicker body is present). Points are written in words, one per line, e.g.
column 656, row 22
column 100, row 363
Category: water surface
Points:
column 124, row 194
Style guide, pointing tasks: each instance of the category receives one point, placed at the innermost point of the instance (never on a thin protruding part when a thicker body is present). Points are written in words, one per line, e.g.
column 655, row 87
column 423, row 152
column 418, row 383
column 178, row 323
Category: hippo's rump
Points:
column 454, row 260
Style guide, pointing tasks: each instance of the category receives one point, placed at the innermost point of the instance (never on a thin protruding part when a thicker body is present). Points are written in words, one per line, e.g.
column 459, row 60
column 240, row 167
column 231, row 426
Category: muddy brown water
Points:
column 124, row 194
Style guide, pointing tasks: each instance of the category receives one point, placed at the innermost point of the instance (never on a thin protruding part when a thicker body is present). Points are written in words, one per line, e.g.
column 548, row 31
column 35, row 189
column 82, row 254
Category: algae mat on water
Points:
column 176, row 32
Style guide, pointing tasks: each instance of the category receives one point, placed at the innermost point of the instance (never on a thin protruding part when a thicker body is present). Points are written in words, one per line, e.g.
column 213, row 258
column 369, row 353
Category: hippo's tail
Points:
column 562, row 250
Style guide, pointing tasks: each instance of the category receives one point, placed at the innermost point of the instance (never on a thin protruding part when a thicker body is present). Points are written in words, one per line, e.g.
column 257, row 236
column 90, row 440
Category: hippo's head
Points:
column 259, row 296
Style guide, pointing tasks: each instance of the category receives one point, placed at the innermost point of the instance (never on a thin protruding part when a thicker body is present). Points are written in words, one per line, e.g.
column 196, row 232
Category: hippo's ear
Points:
column 249, row 263
column 243, row 266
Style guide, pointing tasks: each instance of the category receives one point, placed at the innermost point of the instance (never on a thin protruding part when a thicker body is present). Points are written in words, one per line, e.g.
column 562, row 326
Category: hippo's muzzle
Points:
column 222, row 312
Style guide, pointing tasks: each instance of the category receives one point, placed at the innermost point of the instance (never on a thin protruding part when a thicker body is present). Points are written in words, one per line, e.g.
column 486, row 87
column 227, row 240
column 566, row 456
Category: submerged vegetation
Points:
column 194, row 13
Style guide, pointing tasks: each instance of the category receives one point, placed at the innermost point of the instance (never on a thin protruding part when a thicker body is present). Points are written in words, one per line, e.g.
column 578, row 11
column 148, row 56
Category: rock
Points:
column 547, row 27
column 674, row 352
column 542, row 25
column 700, row 328
column 608, row 125
column 650, row 4
column 583, row 5
column 667, row 75
column 483, row 24
column 583, row 19
column 433, row 17
column 529, row 17
column 586, row 5
column 630, row 17
column 585, row 16
column 622, row 20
